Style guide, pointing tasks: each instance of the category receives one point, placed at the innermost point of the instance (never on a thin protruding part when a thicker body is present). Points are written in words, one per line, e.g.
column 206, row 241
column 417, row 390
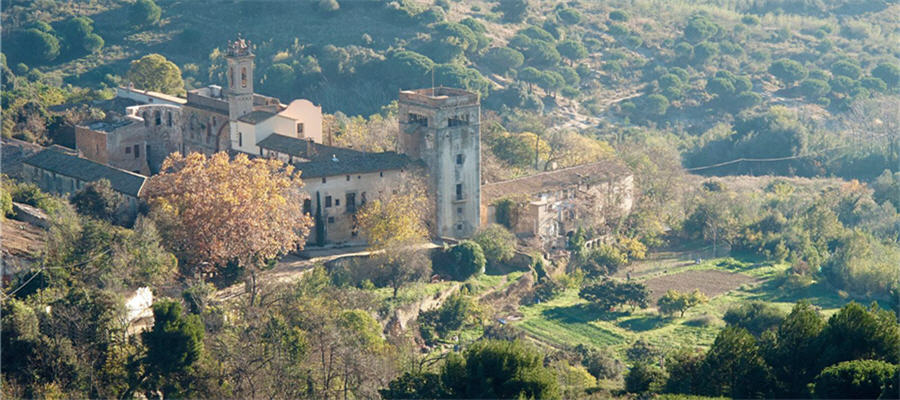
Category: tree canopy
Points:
column 154, row 72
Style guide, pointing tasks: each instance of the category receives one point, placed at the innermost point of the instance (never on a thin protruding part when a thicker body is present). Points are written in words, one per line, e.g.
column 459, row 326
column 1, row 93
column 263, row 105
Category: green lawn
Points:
column 568, row 321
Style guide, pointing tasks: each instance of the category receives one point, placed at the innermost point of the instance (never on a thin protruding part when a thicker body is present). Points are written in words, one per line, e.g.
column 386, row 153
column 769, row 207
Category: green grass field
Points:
column 568, row 320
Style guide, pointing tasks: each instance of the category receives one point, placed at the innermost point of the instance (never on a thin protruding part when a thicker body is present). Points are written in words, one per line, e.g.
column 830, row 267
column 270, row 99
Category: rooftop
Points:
column 85, row 170
column 256, row 117
column 600, row 171
column 304, row 148
column 439, row 96
column 359, row 164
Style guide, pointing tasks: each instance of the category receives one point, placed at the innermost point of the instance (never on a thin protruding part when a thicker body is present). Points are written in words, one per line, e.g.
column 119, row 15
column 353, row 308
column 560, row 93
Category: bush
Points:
column 600, row 363
column 858, row 379
column 644, row 378
column 846, row 68
column 144, row 12
column 814, row 88
column 456, row 311
column 756, row 317
column 619, row 15
column 97, row 200
column 547, row 290
column 788, row 71
column 497, row 243
column 463, row 260
column 31, row 194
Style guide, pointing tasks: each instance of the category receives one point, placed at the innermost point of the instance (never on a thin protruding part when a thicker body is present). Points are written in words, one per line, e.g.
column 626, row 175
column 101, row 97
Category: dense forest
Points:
column 760, row 259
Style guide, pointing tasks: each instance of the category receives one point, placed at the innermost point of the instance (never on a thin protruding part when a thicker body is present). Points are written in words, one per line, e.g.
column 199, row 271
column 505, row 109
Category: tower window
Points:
column 323, row 179
column 348, row 178
column 137, row 151
column 459, row 191
column 300, row 129
column 417, row 119
column 243, row 76
column 231, row 77
column 330, row 220
column 459, row 159
column 169, row 117
column 327, row 201
column 458, row 120
column 146, row 118
column 459, row 210
column 157, row 117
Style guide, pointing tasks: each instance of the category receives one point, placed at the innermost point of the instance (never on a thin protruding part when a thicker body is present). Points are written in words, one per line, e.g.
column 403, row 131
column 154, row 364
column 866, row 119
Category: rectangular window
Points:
column 348, row 178
column 240, row 139
column 416, row 119
column 459, row 192
column 137, row 151
column 300, row 129
column 458, row 120
column 128, row 150
column 459, row 159
column 351, row 202
column 337, row 202
column 381, row 174
column 323, row 179
column 327, row 201
column 459, row 210
column 330, row 220
column 307, row 206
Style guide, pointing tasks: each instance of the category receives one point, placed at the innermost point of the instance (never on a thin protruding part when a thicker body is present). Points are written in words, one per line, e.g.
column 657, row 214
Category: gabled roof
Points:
column 256, row 117
column 601, row 171
column 85, row 170
column 304, row 148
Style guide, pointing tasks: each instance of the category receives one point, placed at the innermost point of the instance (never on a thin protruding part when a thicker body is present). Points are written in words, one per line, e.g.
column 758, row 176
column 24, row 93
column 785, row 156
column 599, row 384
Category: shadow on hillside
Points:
column 644, row 323
column 819, row 293
column 581, row 313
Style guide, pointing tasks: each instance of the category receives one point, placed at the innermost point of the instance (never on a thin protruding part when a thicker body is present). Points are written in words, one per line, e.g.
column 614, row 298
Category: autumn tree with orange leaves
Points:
column 215, row 210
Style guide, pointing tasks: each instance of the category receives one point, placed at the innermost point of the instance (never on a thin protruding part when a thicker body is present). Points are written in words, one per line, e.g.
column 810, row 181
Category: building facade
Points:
column 442, row 127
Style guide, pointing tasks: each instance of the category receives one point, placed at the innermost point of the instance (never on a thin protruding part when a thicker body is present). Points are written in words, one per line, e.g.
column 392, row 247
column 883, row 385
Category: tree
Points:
column 144, row 13
column 97, row 200
column 656, row 104
column 846, row 68
column 569, row 16
column 542, row 54
column 503, row 59
column 619, row 15
column 643, row 378
column 572, row 50
column 38, row 47
column 154, row 72
column 513, row 10
column 395, row 227
column 813, row 89
column 795, row 352
column 497, row 243
column 466, row 259
column 734, row 367
column 174, row 345
column 756, row 317
column 217, row 210
column 788, row 71
column 674, row 301
column 609, row 293
column 78, row 36
column 499, row 369
column 700, row 28
column 889, row 73
column 855, row 333
column 857, row 379
column 604, row 260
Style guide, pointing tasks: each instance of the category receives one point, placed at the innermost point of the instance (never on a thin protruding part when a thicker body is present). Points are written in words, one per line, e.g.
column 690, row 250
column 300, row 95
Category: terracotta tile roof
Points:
column 554, row 180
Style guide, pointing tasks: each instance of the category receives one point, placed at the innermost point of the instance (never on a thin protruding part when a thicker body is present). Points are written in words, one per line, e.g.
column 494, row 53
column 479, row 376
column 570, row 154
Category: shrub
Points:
column 787, row 70
column 889, row 73
column 497, row 243
column 600, row 363
column 144, row 12
column 464, row 260
column 619, row 15
column 756, row 317
column 846, row 68
column 644, row 378
column 858, row 379
column 547, row 290
column 814, row 88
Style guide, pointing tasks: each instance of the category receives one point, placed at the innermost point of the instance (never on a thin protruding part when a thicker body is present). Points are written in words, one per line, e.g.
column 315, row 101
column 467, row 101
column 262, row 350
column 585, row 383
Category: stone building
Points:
column 439, row 144
column 64, row 174
column 551, row 205
column 442, row 127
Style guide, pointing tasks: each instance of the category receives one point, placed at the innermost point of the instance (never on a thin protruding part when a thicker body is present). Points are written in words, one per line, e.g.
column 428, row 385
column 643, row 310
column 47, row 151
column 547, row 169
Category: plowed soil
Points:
column 711, row 283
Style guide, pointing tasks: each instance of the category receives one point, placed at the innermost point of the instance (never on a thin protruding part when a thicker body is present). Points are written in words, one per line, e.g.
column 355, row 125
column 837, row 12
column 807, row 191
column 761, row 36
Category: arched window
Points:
column 243, row 76
column 146, row 117
column 169, row 117
column 158, row 117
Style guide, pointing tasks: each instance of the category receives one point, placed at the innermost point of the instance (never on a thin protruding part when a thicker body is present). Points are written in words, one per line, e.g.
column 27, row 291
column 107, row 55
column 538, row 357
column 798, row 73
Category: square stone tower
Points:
column 442, row 127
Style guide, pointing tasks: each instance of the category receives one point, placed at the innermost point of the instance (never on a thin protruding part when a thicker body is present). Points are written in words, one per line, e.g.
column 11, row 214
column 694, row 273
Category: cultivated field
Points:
column 711, row 282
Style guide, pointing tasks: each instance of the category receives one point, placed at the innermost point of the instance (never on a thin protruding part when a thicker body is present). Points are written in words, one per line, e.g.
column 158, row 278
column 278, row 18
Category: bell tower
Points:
column 240, row 78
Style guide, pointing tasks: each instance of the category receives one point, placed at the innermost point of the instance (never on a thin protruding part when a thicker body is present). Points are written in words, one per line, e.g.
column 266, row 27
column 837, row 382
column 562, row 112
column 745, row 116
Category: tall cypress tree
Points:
column 320, row 224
